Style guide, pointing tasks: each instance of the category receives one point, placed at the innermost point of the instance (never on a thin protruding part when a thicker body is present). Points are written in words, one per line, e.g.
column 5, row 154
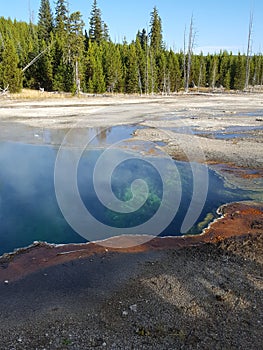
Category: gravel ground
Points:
column 205, row 297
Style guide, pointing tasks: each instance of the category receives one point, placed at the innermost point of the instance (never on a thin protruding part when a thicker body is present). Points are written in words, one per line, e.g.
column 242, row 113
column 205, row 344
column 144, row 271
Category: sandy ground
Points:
column 202, row 297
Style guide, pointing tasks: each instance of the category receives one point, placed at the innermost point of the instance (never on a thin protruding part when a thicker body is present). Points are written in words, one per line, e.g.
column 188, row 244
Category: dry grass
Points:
column 28, row 94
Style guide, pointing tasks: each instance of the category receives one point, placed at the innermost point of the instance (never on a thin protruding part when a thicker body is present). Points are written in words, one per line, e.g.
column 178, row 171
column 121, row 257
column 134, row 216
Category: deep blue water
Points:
column 29, row 210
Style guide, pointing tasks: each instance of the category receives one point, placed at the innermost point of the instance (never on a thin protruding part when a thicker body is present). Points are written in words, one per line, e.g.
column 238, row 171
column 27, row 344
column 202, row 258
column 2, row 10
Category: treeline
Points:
column 58, row 54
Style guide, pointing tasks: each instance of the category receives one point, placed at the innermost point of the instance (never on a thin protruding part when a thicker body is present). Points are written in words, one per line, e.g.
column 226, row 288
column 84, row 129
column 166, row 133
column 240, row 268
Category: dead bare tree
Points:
column 139, row 81
column 4, row 91
column 34, row 60
column 146, row 67
column 184, row 63
column 249, row 47
column 152, row 72
column 200, row 77
column 191, row 40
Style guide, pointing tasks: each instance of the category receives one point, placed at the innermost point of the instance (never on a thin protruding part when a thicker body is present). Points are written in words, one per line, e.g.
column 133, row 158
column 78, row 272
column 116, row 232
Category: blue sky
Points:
column 219, row 24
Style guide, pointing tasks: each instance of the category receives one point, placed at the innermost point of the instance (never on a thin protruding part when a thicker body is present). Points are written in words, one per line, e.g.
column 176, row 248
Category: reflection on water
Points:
column 226, row 133
column 98, row 136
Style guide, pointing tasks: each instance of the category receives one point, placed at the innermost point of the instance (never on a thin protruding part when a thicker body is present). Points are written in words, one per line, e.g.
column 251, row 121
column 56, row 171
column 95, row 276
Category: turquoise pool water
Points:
column 29, row 209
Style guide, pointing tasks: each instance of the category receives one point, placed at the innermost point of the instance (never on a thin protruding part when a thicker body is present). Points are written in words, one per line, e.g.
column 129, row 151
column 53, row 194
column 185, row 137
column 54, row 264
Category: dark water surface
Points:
column 28, row 205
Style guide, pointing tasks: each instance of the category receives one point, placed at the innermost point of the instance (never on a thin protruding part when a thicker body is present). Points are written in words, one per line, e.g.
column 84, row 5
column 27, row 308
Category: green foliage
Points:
column 132, row 73
column 71, row 59
column 10, row 74
column 175, row 81
column 45, row 21
column 98, row 29
column 94, row 70
column 112, row 66
column 61, row 17
column 239, row 69
column 156, row 31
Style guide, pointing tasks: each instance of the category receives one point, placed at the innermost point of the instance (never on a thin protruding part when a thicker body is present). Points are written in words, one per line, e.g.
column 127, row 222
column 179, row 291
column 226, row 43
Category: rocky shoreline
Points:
column 237, row 219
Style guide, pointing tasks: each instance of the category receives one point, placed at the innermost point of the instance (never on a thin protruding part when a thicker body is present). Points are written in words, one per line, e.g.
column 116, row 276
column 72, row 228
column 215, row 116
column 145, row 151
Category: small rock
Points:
column 6, row 282
column 124, row 313
column 133, row 308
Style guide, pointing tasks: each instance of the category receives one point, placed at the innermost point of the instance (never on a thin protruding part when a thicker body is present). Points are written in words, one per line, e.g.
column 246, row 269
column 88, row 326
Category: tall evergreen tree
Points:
column 10, row 74
column 175, row 81
column 141, row 60
column 95, row 80
column 63, row 71
column 162, row 73
column 112, row 66
column 142, row 37
column 96, row 31
column 156, row 37
column 45, row 21
column 44, row 68
column 239, row 68
column 224, row 70
column 132, row 76
column 61, row 16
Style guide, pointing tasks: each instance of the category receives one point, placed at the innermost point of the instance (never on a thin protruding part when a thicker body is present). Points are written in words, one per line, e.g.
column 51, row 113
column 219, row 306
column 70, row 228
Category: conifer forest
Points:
column 59, row 54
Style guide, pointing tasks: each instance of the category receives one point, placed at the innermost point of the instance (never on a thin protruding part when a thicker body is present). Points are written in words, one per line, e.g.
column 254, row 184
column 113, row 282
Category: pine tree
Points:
column 11, row 75
column 61, row 16
column 98, row 29
column 45, row 21
column 141, row 61
column 156, row 36
column 45, row 68
column 224, row 70
column 142, row 37
column 112, row 66
column 95, row 80
column 162, row 74
column 239, row 72
column 106, row 34
column 132, row 76
column 63, row 72
column 175, row 81
column 202, row 72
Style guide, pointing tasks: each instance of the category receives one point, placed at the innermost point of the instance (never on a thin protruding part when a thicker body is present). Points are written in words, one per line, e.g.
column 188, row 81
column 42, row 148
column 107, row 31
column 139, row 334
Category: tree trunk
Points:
column 189, row 54
column 248, row 51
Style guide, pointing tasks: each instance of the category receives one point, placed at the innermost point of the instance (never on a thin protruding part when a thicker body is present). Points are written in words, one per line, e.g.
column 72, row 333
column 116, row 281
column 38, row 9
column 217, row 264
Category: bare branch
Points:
column 35, row 59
